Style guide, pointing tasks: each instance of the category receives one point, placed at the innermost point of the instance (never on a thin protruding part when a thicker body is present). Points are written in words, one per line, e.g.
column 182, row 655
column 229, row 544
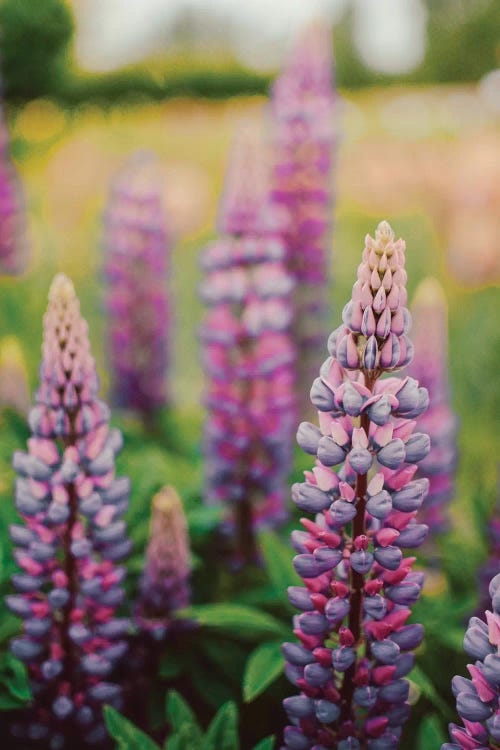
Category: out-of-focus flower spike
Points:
column 137, row 270
column 302, row 112
column 248, row 354
column 14, row 386
column 430, row 368
column 478, row 699
column 358, row 585
column 165, row 580
column 72, row 540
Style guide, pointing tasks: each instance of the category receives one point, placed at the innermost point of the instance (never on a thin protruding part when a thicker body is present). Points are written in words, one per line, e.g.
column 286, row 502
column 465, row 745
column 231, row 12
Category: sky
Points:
column 388, row 34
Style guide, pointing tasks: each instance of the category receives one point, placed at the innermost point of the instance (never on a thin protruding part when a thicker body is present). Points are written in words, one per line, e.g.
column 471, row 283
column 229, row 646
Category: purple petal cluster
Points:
column 355, row 642
column 430, row 368
column 137, row 274
column 302, row 109
column 478, row 698
column 71, row 539
column 165, row 580
column 248, row 356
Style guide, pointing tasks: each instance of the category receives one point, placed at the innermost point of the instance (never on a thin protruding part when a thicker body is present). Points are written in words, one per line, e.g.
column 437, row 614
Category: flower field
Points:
column 426, row 160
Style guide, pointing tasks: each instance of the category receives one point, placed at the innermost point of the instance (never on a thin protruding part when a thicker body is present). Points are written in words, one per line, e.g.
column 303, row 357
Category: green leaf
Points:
column 236, row 619
column 266, row 744
column 17, row 679
column 422, row 681
column 222, row 734
column 128, row 736
column 278, row 560
column 430, row 733
column 263, row 667
column 179, row 714
column 185, row 739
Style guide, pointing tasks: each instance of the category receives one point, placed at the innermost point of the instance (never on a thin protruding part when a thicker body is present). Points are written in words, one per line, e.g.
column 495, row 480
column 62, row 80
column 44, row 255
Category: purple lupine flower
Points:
column 430, row 368
column 302, row 109
column 137, row 273
column 248, row 356
column 478, row 699
column 72, row 537
column 355, row 643
column 165, row 580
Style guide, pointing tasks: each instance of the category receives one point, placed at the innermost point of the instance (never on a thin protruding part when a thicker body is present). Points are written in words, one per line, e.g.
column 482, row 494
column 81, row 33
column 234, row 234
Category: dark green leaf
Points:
column 180, row 714
column 17, row 679
column 236, row 619
column 263, row 667
column 222, row 734
column 266, row 744
column 186, row 738
column 278, row 560
column 128, row 736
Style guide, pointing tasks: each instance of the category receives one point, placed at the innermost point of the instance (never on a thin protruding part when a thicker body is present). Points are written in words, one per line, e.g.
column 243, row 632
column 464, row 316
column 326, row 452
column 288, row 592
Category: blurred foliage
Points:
column 35, row 39
column 462, row 45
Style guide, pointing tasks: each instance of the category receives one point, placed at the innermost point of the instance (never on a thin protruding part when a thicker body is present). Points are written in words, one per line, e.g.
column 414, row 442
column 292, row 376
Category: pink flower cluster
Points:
column 248, row 356
column 355, row 641
column 72, row 537
column 302, row 110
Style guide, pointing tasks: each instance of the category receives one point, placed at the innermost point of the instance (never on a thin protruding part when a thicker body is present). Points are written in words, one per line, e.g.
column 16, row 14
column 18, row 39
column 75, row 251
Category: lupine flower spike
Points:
column 478, row 699
column 137, row 273
column 71, row 538
column 14, row 387
column 430, row 368
column 165, row 581
column 355, row 644
column 248, row 355
column 302, row 109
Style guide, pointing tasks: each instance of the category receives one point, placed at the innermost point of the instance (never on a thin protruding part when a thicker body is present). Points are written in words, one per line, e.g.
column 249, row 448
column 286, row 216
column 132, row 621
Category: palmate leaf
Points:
column 222, row 734
column 127, row 736
column 237, row 620
column 278, row 561
column 263, row 667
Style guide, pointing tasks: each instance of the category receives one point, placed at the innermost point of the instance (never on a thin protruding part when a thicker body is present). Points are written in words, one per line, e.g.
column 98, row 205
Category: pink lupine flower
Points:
column 355, row 643
column 165, row 580
column 137, row 269
column 248, row 356
column 71, row 539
